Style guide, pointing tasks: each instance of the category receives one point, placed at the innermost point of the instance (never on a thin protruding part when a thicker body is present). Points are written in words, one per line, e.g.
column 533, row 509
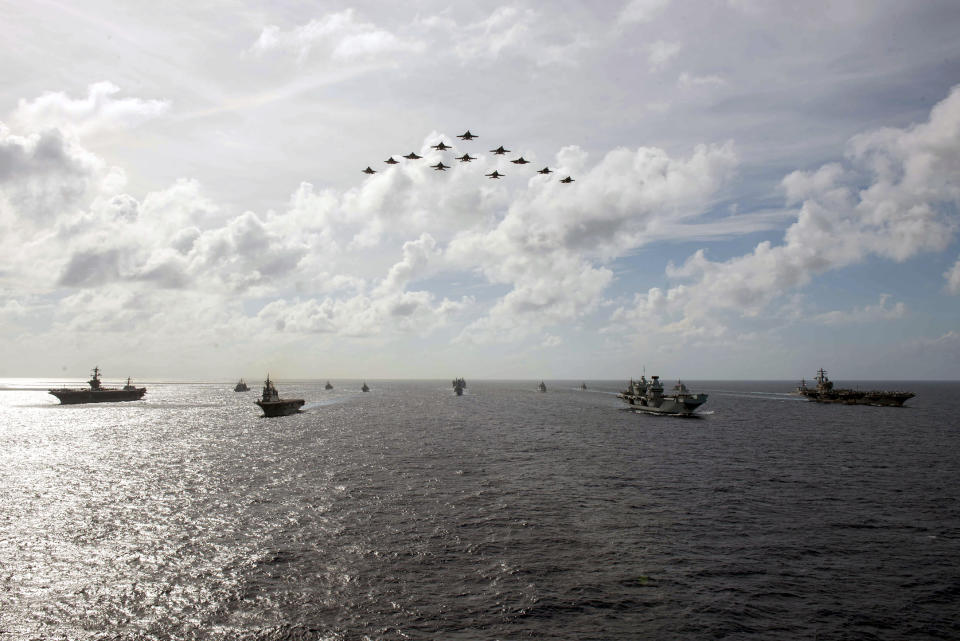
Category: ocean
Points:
column 411, row 513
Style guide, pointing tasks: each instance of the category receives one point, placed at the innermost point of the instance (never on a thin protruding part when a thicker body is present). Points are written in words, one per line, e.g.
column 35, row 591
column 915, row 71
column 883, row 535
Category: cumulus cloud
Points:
column 43, row 176
column 336, row 36
column 99, row 111
column 907, row 207
column 362, row 315
column 345, row 262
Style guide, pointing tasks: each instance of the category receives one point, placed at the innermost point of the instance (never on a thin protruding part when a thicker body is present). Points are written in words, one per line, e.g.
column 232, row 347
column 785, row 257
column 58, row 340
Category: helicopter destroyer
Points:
column 97, row 393
column 825, row 393
column 648, row 396
column 272, row 405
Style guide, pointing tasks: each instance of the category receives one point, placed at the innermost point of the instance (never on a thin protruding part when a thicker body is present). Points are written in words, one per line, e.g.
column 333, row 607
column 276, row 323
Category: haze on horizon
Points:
column 761, row 189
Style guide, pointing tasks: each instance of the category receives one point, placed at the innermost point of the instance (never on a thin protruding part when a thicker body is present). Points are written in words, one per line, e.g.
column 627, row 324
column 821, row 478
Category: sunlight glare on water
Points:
column 408, row 512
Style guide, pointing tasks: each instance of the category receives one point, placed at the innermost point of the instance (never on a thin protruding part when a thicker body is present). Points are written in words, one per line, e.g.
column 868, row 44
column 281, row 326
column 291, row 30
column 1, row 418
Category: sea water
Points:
column 411, row 513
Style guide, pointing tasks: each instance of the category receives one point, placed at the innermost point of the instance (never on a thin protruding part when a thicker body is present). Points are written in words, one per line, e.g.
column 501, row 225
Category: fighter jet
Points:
column 465, row 158
column 545, row 171
column 440, row 166
column 520, row 161
column 441, row 146
column 391, row 161
column 413, row 155
column 568, row 179
column 500, row 151
column 369, row 171
column 467, row 136
column 495, row 174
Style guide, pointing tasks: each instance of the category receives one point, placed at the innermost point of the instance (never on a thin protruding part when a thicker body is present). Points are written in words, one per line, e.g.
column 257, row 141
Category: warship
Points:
column 542, row 387
column 583, row 386
column 459, row 385
column 272, row 405
column 241, row 386
column 824, row 392
column 328, row 386
column 364, row 388
column 648, row 396
column 97, row 393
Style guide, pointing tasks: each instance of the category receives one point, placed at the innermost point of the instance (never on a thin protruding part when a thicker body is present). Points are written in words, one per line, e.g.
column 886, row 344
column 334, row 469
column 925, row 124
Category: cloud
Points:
column 99, row 111
column 545, row 245
column 337, row 37
column 907, row 207
column 661, row 52
column 862, row 315
column 362, row 316
column 45, row 175
column 691, row 81
column 416, row 255
column 641, row 11
column 343, row 262
column 521, row 33
column 953, row 278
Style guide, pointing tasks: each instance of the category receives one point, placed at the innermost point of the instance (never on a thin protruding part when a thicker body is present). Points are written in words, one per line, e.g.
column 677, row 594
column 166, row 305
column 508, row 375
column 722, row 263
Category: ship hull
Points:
column 853, row 397
column 666, row 405
column 283, row 407
column 80, row 396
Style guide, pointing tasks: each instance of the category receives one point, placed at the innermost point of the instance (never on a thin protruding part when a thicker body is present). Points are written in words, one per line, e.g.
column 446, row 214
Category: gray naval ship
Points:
column 648, row 396
column 98, row 393
column 825, row 392
column 272, row 405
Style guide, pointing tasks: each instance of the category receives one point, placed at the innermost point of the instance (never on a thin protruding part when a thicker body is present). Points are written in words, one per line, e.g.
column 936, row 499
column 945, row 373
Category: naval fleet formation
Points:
column 641, row 395
column 467, row 136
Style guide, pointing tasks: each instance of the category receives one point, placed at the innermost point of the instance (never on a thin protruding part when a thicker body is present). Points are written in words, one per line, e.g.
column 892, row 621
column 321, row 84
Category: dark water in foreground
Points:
column 409, row 513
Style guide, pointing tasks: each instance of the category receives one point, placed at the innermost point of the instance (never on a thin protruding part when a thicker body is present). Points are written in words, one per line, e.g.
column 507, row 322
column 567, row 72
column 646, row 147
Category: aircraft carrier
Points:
column 825, row 392
column 648, row 396
column 97, row 393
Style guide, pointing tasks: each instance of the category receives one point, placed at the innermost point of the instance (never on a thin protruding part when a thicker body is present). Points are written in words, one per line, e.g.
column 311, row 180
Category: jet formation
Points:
column 465, row 158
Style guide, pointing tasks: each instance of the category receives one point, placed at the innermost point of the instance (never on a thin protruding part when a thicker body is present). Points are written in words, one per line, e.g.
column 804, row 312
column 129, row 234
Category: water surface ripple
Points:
column 410, row 513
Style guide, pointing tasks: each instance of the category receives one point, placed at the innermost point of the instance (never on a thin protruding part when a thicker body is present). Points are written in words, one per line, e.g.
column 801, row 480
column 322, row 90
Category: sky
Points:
column 760, row 189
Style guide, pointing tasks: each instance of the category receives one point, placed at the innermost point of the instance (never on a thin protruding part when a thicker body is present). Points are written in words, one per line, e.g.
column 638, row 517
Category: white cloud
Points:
column 642, row 10
column 953, row 278
column 99, row 111
column 43, row 176
column 520, row 33
column 361, row 315
column 861, row 315
column 907, row 208
column 691, row 81
column 338, row 37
